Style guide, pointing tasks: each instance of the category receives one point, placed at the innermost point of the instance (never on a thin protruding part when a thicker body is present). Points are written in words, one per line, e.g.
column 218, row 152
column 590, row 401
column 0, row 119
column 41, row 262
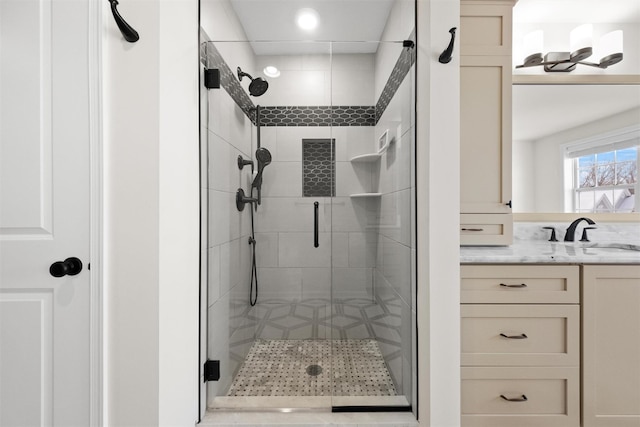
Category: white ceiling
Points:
column 340, row 20
column 364, row 20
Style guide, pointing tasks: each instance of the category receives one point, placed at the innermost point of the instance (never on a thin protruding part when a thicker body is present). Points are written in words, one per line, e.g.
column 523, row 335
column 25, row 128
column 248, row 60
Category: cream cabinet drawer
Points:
column 486, row 229
column 520, row 397
column 549, row 284
column 520, row 335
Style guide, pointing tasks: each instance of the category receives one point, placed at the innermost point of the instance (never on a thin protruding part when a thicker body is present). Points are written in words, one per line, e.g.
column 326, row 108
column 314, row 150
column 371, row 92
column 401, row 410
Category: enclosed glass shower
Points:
column 308, row 219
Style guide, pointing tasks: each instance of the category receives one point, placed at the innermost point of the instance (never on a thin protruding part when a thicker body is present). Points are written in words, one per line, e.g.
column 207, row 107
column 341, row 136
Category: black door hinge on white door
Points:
column 211, row 370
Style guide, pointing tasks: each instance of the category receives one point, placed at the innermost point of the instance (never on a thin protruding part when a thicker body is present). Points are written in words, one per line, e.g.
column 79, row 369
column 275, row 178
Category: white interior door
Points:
column 44, row 212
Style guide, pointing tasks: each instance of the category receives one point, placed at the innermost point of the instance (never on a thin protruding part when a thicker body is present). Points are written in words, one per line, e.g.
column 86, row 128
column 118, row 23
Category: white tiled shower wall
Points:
column 290, row 268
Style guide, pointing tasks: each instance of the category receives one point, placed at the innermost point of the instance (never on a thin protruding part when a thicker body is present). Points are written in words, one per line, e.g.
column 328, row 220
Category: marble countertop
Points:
column 537, row 252
column 531, row 246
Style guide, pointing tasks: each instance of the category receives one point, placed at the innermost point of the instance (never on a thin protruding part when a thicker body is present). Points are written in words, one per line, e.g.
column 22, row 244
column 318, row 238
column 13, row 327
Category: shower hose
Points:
column 253, row 296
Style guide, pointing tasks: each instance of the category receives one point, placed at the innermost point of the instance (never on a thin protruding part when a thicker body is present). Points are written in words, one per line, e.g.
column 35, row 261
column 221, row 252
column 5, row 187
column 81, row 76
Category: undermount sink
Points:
column 612, row 247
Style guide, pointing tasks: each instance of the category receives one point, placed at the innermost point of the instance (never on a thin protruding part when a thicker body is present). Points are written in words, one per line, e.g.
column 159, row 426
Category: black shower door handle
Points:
column 316, row 207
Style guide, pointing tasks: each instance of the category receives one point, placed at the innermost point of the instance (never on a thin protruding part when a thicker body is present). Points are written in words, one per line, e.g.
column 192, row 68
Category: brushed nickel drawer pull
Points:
column 472, row 229
column 521, row 285
column 515, row 337
column 516, row 399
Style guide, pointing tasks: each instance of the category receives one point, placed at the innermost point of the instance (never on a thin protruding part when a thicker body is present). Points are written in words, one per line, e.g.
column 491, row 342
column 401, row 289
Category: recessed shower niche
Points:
column 318, row 168
column 310, row 292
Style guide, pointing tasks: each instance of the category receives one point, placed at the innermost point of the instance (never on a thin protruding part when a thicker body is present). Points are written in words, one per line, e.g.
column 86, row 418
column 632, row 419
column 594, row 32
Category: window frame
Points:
column 576, row 190
column 613, row 141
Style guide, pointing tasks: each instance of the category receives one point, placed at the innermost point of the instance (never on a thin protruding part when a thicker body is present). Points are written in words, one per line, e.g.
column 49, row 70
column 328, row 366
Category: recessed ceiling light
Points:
column 271, row 71
column 307, row 19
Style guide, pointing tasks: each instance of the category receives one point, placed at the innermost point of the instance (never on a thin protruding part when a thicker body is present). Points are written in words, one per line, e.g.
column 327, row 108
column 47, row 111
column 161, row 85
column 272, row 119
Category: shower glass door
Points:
column 309, row 248
column 373, row 313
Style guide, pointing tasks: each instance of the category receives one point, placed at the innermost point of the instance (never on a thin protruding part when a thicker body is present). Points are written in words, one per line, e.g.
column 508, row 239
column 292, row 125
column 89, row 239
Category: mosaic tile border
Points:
column 327, row 115
column 324, row 115
column 400, row 70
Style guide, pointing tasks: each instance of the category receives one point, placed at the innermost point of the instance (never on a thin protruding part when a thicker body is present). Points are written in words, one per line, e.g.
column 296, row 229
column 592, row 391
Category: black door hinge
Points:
column 212, row 78
column 211, row 370
column 408, row 43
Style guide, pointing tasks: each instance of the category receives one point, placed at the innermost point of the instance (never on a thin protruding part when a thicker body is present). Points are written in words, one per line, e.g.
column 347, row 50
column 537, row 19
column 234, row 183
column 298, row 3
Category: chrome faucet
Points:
column 571, row 231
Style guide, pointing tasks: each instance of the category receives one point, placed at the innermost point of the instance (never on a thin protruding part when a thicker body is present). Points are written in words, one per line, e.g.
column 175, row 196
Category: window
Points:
column 601, row 172
column 606, row 181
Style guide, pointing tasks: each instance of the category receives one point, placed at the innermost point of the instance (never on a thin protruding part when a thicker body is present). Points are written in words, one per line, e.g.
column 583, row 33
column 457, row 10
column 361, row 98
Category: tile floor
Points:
column 320, row 318
column 346, row 367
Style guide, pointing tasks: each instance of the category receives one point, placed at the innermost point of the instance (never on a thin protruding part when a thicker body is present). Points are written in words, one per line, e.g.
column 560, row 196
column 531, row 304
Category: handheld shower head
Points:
column 257, row 87
column 263, row 156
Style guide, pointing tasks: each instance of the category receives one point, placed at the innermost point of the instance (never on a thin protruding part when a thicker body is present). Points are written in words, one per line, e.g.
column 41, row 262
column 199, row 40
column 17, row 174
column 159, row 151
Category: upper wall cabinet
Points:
column 486, row 27
column 485, row 122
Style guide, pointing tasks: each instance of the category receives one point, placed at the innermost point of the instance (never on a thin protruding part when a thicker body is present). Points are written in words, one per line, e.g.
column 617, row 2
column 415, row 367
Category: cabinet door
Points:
column 485, row 29
column 485, row 134
column 611, row 352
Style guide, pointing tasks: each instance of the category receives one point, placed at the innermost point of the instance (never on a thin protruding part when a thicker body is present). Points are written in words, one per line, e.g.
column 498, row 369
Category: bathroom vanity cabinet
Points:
column 611, row 345
column 520, row 343
column 521, row 332
column 485, row 122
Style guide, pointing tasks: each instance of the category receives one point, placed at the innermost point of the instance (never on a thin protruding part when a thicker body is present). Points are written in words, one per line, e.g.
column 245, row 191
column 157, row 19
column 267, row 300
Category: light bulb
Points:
column 610, row 44
column 610, row 49
column 581, row 42
column 307, row 19
column 271, row 71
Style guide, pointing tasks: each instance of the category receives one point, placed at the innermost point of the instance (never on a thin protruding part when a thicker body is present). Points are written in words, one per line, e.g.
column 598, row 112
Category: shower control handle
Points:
column 316, row 207
column 242, row 163
column 242, row 199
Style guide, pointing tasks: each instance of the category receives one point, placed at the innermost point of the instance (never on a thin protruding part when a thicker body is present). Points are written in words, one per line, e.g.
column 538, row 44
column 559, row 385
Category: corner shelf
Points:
column 359, row 195
column 366, row 158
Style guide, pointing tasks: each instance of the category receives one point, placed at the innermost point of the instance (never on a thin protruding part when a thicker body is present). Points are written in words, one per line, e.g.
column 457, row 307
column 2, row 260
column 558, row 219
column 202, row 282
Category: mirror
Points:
column 547, row 118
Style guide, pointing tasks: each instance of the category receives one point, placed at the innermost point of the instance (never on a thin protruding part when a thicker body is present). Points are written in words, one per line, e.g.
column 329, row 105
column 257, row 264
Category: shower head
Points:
column 263, row 156
column 257, row 87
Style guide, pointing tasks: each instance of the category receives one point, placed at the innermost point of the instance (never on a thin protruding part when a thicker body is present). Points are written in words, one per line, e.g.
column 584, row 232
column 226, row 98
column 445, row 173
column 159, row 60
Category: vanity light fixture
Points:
column 581, row 44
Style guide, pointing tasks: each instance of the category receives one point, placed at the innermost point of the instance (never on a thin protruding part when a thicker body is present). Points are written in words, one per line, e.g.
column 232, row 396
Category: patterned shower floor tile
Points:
column 352, row 367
